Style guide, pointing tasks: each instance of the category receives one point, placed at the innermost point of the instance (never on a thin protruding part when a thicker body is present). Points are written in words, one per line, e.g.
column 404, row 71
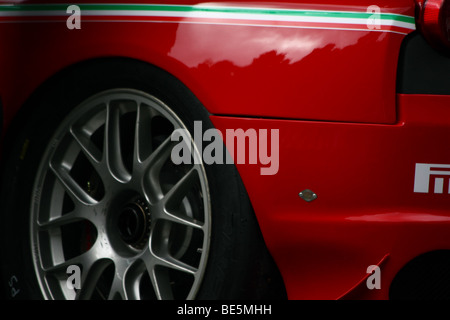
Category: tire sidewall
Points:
column 234, row 228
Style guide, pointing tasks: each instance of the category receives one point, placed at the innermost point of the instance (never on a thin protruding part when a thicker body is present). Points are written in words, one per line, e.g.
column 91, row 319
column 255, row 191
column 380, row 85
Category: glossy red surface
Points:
column 344, row 133
column 363, row 175
column 297, row 73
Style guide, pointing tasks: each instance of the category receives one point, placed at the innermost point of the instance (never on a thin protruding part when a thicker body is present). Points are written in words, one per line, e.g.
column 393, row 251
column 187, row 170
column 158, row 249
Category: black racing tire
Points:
column 238, row 264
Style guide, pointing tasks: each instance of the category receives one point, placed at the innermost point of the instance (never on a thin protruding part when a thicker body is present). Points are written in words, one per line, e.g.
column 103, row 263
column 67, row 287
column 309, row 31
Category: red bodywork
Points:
column 344, row 132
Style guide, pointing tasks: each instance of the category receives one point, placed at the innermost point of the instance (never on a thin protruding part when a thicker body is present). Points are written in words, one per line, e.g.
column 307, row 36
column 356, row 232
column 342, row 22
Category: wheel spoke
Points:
column 126, row 281
column 172, row 263
column 160, row 253
column 90, row 150
column 180, row 190
column 175, row 196
column 90, row 277
column 117, row 289
column 183, row 219
column 85, row 259
column 92, row 262
column 143, row 134
column 160, row 280
column 68, row 218
column 151, row 183
column 75, row 191
column 113, row 150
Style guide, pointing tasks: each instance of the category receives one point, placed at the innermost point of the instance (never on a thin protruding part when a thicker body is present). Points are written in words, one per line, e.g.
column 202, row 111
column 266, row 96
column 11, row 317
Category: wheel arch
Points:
column 15, row 120
column 23, row 114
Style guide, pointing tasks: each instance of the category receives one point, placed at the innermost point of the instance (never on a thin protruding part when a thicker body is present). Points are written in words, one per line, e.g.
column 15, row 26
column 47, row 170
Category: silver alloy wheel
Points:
column 108, row 199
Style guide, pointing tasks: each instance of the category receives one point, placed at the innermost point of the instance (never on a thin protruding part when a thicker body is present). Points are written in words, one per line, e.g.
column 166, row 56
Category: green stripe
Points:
column 182, row 8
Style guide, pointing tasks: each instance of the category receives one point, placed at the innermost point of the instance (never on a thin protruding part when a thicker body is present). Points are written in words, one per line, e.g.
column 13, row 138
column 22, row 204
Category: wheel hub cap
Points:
column 134, row 224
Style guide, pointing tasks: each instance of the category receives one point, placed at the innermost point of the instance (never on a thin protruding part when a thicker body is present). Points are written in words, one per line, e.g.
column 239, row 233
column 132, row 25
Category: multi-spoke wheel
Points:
column 110, row 201
column 90, row 187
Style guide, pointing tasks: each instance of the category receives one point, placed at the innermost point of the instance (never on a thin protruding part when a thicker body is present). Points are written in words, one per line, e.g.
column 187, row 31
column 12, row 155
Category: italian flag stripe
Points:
column 275, row 17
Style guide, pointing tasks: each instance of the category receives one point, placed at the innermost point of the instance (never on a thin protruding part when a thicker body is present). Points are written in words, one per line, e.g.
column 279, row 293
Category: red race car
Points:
column 225, row 150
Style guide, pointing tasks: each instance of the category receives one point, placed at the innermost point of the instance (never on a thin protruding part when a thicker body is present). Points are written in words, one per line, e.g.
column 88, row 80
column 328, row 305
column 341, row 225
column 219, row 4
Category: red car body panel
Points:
column 299, row 70
column 331, row 93
column 364, row 177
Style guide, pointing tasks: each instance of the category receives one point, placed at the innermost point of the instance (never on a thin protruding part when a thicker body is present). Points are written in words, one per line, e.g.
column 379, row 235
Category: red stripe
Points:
column 270, row 23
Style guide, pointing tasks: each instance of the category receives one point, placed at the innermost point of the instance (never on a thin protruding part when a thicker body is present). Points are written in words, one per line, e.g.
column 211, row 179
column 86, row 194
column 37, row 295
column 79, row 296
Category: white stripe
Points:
column 216, row 15
column 212, row 15
column 258, row 25
column 220, row 24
